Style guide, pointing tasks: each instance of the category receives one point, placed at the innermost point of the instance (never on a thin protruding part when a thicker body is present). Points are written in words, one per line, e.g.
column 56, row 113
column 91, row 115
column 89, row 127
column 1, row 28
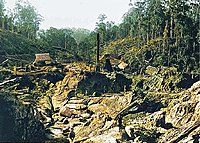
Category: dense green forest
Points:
column 153, row 32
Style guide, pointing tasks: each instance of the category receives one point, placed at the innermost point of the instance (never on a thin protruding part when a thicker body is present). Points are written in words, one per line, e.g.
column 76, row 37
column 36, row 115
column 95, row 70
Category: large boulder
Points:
column 184, row 116
column 102, row 139
column 112, row 105
column 103, row 83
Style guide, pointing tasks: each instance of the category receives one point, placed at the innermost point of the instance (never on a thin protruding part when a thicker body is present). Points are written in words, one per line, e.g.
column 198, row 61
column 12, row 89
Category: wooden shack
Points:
column 42, row 57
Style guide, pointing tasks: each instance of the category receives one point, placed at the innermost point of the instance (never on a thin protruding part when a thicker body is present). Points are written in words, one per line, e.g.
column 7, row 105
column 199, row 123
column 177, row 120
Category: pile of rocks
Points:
column 82, row 119
column 70, row 114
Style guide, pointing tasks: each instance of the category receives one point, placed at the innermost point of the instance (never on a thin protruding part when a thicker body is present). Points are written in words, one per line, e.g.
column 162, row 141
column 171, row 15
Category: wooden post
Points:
column 15, row 70
column 98, row 47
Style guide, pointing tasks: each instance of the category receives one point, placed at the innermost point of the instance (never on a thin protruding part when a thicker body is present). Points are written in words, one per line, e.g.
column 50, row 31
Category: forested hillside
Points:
column 156, row 32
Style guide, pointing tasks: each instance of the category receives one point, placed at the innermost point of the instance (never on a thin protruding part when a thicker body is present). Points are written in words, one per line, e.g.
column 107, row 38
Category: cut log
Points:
column 2, row 63
column 11, row 80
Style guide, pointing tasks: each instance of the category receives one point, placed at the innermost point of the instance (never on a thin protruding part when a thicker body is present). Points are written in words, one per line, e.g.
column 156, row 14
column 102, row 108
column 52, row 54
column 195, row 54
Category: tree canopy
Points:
column 27, row 19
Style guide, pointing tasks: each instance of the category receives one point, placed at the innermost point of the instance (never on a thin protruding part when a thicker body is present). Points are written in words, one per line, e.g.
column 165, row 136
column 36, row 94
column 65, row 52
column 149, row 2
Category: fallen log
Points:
column 11, row 80
column 2, row 63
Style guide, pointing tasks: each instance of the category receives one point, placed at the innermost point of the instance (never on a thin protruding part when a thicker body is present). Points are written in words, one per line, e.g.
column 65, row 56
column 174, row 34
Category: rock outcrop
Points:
column 179, row 122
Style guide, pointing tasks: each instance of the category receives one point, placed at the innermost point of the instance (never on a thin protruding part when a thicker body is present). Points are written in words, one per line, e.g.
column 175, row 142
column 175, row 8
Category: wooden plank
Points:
column 11, row 80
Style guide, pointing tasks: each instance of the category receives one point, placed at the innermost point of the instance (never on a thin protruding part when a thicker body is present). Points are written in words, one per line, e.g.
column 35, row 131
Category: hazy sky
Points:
column 76, row 13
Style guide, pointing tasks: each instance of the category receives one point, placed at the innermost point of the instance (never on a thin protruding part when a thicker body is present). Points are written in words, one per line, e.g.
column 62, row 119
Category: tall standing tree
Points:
column 27, row 19
column 2, row 7
column 155, row 17
column 101, row 27
column 11, row 17
column 2, row 13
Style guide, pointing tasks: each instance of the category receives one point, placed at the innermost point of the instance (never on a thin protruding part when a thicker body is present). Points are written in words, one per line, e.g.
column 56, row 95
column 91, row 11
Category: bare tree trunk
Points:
column 171, row 27
column 3, row 24
column 97, row 58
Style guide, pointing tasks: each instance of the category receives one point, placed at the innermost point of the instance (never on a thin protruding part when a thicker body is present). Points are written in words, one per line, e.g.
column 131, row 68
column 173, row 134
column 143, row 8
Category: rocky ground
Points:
column 72, row 103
